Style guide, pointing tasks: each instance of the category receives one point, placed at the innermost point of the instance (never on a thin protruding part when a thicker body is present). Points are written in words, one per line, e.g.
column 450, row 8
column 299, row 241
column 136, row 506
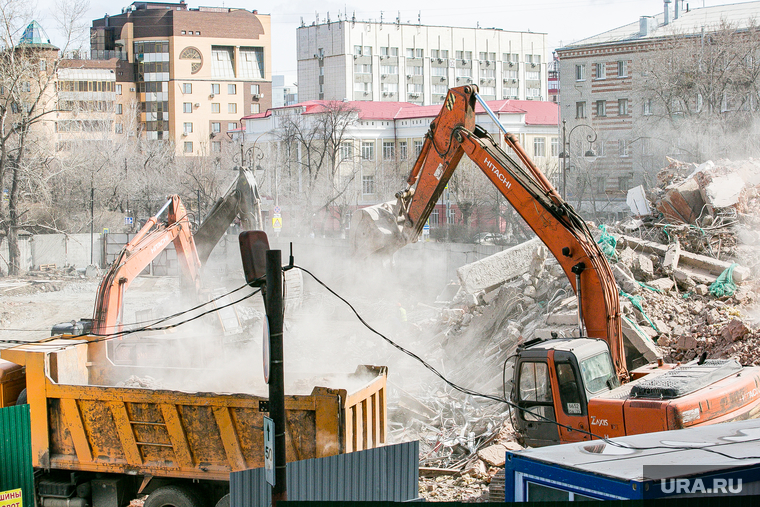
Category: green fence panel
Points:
column 16, row 469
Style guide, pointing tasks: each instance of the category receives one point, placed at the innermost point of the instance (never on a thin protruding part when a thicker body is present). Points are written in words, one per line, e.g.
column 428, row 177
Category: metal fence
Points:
column 16, row 452
column 388, row 474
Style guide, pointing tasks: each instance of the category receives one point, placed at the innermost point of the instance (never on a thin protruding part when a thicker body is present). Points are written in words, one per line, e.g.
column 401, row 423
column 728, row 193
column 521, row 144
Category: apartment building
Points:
column 382, row 143
column 194, row 72
column 602, row 86
column 391, row 62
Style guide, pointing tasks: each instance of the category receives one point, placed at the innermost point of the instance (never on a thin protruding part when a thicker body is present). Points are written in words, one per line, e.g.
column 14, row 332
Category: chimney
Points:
column 678, row 9
column 667, row 12
column 645, row 25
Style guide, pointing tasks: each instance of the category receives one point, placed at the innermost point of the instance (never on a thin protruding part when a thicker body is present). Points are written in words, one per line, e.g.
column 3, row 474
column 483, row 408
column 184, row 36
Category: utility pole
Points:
column 275, row 315
column 92, row 221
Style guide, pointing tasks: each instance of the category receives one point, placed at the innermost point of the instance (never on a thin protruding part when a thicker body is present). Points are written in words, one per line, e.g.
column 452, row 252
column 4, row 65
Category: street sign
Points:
column 277, row 210
column 276, row 222
column 269, row 450
column 106, row 230
column 11, row 498
column 129, row 220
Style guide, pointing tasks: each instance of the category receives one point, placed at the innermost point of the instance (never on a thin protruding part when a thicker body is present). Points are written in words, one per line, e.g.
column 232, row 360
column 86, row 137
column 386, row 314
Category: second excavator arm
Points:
column 453, row 134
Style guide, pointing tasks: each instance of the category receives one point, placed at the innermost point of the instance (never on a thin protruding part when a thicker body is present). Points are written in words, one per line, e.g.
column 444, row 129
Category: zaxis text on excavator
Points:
column 566, row 390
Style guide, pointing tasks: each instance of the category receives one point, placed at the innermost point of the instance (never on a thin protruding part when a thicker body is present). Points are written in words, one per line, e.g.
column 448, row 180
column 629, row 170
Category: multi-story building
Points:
column 602, row 86
column 193, row 72
column 380, row 146
column 367, row 60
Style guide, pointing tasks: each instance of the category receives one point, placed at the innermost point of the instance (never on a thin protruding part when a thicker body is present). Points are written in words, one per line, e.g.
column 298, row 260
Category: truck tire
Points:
column 173, row 496
column 224, row 501
column 22, row 400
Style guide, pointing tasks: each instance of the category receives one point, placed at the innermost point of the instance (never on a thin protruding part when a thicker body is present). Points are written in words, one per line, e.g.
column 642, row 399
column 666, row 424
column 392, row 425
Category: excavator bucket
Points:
column 375, row 231
column 242, row 200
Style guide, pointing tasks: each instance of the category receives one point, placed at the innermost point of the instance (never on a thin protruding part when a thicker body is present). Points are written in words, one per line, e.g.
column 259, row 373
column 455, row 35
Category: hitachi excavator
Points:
column 565, row 390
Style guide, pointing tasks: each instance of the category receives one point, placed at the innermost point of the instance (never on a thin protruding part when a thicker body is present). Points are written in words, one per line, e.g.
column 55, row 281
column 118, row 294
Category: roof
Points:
column 34, row 35
column 737, row 441
column 739, row 15
column 536, row 112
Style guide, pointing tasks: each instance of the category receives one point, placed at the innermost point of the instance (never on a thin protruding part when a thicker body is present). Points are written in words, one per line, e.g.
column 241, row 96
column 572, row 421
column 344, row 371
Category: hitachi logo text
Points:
column 499, row 175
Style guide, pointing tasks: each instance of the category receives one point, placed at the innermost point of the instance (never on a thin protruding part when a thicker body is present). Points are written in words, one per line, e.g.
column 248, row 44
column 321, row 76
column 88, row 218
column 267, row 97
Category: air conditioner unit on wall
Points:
column 197, row 104
column 256, row 95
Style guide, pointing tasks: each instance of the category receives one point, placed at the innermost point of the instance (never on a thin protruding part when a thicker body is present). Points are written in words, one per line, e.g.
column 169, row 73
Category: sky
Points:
column 564, row 21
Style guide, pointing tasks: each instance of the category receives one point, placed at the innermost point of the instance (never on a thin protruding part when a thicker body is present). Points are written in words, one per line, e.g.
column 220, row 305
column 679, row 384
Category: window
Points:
column 580, row 72
column 363, row 68
column 601, row 185
column 647, row 106
column 646, row 146
column 231, row 89
column 488, row 90
column 535, row 389
column 365, row 88
column 444, row 53
column 118, row 89
column 231, row 125
column 402, row 150
column 232, row 108
column 463, row 72
column 599, row 70
column 539, row 147
column 188, row 147
column 346, row 150
column 388, row 88
column 463, row 55
column 624, row 184
column 215, row 107
column 119, row 128
column 601, row 108
column 442, row 89
column 357, row 50
column 255, row 89
column 555, row 147
column 623, row 107
column 532, row 75
column 623, row 148
column 187, row 88
column 622, row 68
column 118, row 109
column 510, row 57
column 434, row 217
column 419, row 53
column 488, row 72
column 416, row 71
column 215, row 89
column 567, row 381
column 368, row 150
column 439, row 71
column 216, row 127
column 580, row 109
column 255, row 108
column 389, row 150
column 509, row 92
column 187, row 107
column 187, row 128
column 389, row 69
column 598, row 373
column 417, row 148
column 368, row 185
column 216, row 146
column 599, row 148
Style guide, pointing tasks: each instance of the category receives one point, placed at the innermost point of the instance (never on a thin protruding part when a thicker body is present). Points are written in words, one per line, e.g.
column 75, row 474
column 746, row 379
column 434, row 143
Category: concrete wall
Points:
column 59, row 249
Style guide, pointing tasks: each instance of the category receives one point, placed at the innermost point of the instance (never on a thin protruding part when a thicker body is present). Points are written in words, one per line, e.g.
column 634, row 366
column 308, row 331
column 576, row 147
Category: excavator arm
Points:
column 137, row 254
column 453, row 134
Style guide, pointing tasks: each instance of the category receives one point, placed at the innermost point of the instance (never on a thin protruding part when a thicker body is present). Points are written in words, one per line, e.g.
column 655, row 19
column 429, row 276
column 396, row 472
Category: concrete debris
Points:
column 496, row 269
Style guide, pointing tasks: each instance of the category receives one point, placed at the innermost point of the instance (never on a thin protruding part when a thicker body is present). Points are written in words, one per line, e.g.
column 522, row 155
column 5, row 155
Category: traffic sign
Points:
column 128, row 220
column 277, row 210
column 269, row 450
column 277, row 222
column 106, row 230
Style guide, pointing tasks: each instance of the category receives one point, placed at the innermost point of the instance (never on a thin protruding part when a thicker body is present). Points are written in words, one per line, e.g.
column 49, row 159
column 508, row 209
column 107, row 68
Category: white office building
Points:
column 370, row 60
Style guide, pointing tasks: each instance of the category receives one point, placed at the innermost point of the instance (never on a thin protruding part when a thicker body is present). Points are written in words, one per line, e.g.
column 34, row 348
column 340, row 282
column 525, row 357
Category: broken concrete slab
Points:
column 625, row 279
column 496, row 269
column 672, row 256
column 707, row 265
column 663, row 284
column 494, row 455
column 562, row 319
column 640, row 341
column 682, row 203
column 545, row 333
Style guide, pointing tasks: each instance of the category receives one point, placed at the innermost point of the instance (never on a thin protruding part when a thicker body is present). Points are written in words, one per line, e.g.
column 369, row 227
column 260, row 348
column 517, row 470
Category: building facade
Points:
column 380, row 146
column 391, row 62
column 193, row 72
column 605, row 83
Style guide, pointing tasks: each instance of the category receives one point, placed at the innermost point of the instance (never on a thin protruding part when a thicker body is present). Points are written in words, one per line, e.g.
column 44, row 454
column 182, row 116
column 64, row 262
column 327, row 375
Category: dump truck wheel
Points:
column 21, row 400
column 224, row 501
column 173, row 496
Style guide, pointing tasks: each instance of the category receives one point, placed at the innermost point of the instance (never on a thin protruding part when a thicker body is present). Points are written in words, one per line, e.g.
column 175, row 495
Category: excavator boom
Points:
column 453, row 133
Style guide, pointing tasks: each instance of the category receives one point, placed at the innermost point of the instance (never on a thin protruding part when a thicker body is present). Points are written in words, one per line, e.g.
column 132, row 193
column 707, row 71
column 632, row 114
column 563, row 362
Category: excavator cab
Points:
column 553, row 381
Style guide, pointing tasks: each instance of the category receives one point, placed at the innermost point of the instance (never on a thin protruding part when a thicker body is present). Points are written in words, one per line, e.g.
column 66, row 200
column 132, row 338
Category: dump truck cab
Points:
column 553, row 381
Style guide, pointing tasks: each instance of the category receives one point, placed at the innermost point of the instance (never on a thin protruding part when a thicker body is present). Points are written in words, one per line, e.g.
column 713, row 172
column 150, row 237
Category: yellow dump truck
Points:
column 102, row 445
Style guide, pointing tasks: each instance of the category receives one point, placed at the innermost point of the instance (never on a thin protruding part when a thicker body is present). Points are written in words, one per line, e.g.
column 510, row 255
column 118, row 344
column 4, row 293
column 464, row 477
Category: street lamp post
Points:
column 566, row 137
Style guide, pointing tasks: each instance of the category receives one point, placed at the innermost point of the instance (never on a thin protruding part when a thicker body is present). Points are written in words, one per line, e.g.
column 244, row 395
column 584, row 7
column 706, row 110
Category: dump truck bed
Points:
column 181, row 434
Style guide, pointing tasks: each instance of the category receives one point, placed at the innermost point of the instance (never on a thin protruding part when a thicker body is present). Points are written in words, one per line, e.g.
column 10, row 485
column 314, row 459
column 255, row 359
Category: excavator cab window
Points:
column 535, row 391
column 569, row 392
column 598, row 373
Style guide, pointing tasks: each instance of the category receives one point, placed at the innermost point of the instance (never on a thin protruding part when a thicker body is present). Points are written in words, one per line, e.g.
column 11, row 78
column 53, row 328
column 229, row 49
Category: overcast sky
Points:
column 563, row 20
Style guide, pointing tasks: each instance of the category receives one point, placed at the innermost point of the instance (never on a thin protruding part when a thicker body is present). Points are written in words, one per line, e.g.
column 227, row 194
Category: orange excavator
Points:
column 565, row 390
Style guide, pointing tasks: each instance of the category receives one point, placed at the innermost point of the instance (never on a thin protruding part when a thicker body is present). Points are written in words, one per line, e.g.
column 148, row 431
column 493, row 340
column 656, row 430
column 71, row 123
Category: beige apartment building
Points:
column 193, row 72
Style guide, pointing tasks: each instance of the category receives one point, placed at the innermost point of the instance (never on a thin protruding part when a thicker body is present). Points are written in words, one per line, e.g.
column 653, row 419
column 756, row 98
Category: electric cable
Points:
column 517, row 408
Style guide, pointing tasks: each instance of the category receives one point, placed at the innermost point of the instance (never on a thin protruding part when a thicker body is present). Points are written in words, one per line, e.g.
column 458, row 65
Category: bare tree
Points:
column 700, row 93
